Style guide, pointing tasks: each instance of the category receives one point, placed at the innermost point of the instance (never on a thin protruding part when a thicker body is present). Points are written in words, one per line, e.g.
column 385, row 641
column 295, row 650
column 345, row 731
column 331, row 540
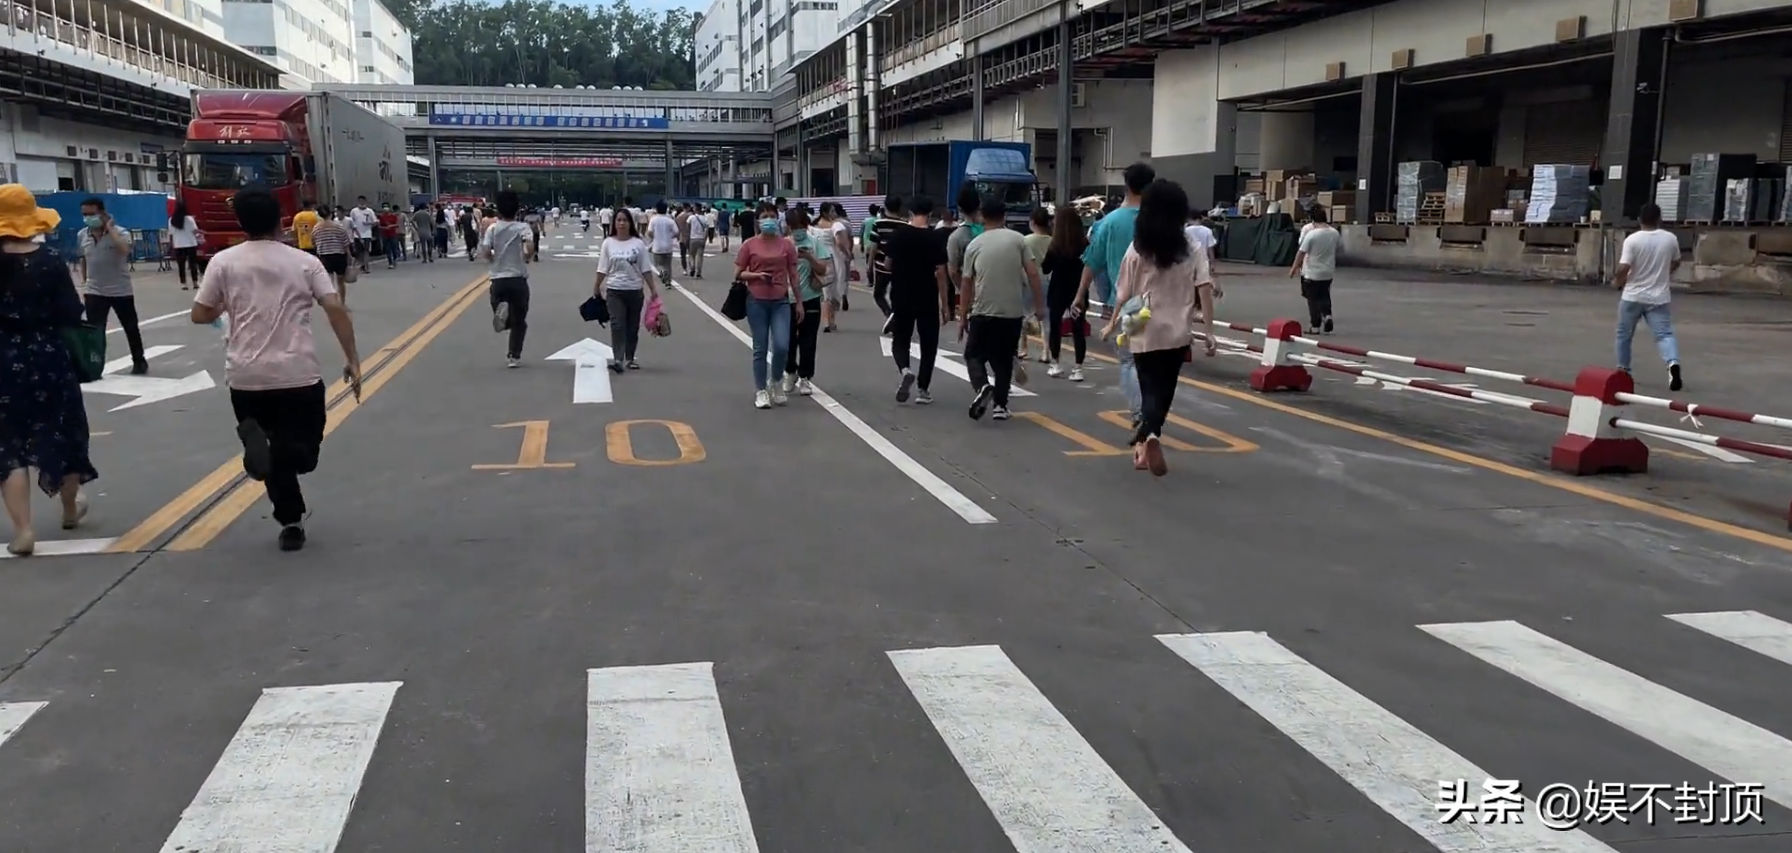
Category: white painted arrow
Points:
column 945, row 363
column 147, row 389
column 591, row 371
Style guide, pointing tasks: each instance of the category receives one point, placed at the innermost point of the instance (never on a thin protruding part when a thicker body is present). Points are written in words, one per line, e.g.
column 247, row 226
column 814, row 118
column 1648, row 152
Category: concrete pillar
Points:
column 1633, row 125
column 672, row 188
column 435, row 166
column 1375, row 147
column 976, row 100
column 800, row 175
column 1287, row 139
column 1066, row 82
column 1194, row 135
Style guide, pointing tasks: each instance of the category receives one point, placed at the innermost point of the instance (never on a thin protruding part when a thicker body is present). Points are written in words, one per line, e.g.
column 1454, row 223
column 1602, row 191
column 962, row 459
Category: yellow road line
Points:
column 1572, row 486
column 170, row 514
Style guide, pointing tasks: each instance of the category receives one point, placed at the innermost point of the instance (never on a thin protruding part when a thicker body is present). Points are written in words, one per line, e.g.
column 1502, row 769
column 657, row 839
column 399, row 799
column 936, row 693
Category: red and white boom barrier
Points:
column 1598, row 440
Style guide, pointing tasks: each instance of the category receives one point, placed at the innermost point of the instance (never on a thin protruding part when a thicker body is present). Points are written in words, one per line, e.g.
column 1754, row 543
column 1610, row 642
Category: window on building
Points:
column 367, row 68
column 367, row 34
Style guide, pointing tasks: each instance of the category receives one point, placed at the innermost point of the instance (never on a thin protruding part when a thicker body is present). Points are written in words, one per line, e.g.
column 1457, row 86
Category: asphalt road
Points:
column 678, row 624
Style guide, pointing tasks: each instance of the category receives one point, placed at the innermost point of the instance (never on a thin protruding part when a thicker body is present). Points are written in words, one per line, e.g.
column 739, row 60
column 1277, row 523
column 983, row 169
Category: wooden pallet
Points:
column 1757, row 223
column 1384, row 219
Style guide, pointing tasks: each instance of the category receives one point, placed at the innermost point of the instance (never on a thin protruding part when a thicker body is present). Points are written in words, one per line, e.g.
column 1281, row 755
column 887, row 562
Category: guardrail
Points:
column 1599, row 439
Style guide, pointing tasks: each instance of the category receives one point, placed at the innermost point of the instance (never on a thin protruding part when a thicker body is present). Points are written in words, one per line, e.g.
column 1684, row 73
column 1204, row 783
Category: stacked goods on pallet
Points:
column 1417, row 179
column 1472, row 193
column 1560, row 193
column 1785, row 205
column 1708, row 182
column 1670, row 196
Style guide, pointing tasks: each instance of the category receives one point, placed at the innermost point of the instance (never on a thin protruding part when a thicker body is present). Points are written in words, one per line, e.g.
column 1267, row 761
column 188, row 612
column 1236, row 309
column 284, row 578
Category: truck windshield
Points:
column 1011, row 194
column 234, row 170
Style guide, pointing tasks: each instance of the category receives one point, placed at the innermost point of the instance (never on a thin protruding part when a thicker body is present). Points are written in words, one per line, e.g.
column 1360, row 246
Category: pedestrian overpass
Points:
column 499, row 128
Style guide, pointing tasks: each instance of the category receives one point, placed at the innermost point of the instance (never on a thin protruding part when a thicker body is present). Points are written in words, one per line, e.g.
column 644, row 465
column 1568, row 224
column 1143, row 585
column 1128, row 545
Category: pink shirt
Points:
column 1171, row 294
column 776, row 256
column 267, row 290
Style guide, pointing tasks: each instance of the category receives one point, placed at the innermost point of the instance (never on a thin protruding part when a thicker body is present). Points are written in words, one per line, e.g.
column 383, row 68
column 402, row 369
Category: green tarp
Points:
column 1268, row 240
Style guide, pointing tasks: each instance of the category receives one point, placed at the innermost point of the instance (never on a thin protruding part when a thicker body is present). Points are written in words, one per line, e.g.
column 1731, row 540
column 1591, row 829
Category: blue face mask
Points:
column 768, row 226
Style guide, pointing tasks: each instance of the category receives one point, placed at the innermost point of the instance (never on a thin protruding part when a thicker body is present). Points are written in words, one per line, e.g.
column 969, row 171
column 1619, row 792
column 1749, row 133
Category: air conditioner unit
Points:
column 1079, row 95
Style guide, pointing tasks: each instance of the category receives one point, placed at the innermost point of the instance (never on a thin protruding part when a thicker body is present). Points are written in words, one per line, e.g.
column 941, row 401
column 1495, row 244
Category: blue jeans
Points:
column 1129, row 381
column 1661, row 324
column 770, row 321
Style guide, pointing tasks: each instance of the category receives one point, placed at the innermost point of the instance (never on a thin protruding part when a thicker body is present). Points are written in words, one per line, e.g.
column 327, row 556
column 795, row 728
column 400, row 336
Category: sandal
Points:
column 72, row 520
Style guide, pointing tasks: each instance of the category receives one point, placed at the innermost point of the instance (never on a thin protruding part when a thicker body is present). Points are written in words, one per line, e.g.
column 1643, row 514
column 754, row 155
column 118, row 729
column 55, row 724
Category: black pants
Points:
column 472, row 240
column 99, row 311
column 989, row 352
column 1158, row 371
column 803, row 338
column 1059, row 303
column 187, row 258
column 293, row 419
column 1318, row 293
column 880, row 291
column 625, row 321
column 922, row 322
column 515, row 292
column 442, row 241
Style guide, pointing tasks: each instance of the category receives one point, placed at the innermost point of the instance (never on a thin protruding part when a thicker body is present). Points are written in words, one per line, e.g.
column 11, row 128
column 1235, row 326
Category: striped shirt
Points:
column 330, row 238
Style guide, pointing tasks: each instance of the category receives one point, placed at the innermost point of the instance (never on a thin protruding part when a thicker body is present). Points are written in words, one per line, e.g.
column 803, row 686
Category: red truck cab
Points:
column 240, row 138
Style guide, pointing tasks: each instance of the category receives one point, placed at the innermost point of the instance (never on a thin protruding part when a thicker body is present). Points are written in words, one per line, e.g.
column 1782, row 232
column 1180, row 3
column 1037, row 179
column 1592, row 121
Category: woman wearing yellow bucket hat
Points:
column 43, row 421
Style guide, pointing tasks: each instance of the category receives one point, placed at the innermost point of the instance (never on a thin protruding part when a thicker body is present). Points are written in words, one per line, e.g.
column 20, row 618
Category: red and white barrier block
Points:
column 1594, row 444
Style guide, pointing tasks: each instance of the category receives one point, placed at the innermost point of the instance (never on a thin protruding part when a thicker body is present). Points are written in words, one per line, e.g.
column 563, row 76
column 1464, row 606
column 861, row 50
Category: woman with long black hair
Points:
column 1157, row 294
column 183, row 237
column 1064, row 265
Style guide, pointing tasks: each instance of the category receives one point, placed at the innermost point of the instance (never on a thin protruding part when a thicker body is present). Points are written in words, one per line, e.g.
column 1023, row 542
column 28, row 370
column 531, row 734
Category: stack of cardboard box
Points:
column 1339, row 205
column 1472, row 193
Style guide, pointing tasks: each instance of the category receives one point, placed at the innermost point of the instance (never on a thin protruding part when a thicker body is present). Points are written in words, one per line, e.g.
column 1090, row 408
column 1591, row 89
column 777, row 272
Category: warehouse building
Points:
column 1281, row 105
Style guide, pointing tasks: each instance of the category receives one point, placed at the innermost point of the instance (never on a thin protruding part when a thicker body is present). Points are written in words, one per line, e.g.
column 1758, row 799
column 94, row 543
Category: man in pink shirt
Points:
column 270, row 354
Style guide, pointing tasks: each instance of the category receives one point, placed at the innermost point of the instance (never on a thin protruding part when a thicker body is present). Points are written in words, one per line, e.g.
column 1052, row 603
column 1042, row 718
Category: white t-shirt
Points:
column 363, row 219
column 1200, row 237
column 623, row 263
column 664, row 231
column 1651, row 256
column 698, row 227
column 186, row 236
column 1321, row 246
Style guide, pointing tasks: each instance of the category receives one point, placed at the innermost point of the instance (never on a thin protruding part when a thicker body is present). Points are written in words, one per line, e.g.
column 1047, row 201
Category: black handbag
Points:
column 595, row 309
column 734, row 306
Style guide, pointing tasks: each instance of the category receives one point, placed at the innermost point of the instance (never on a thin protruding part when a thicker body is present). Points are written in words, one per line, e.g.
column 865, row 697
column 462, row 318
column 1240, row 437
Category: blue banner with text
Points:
column 592, row 117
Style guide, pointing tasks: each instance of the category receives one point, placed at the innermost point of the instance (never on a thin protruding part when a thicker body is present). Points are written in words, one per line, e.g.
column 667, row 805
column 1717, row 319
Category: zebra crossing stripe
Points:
column 1749, row 629
column 1395, row 765
column 288, row 779
column 1720, row 742
column 13, row 716
column 1044, row 784
column 659, row 771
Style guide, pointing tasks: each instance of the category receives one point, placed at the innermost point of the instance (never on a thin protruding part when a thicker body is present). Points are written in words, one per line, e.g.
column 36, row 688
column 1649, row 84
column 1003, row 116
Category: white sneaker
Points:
column 513, row 362
column 762, row 400
column 1076, row 374
column 789, row 383
column 779, row 398
column 1054, row 371
column 805, row 387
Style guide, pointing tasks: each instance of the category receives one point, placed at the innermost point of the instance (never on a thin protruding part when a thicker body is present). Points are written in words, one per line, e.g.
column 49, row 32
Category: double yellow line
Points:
column 225, row 494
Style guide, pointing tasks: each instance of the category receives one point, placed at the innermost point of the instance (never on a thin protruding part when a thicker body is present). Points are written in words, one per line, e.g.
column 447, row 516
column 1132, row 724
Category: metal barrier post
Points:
column 1276, row 372
column 1592, row 445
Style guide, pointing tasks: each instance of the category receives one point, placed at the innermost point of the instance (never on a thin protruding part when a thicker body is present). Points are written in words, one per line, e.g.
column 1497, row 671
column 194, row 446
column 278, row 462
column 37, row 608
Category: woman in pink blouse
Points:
column 766, row 263
column 1164, row 271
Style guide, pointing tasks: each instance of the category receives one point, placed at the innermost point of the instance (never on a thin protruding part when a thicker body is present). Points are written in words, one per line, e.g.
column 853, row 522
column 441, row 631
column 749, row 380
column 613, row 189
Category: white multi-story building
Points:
column 382, row 46
column 205, row 15
column 747, row 45
column 716, row 43
column 311, row 41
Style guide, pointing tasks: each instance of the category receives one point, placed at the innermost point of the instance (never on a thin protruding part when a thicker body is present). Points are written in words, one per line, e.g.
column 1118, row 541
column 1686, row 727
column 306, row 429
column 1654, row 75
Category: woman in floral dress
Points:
column 43, row 420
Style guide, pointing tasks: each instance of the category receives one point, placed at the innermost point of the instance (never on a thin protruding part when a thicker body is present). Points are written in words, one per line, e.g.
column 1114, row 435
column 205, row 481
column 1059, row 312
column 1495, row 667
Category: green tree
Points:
column 547, row 43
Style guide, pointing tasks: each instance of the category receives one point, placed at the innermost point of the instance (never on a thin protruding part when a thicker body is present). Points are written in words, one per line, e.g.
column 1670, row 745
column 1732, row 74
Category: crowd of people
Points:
column 1144, row 271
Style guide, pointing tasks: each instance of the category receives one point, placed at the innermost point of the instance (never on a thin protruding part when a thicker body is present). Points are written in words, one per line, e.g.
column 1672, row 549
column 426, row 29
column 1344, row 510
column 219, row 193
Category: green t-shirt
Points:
column 997, row 261
column 812, row 284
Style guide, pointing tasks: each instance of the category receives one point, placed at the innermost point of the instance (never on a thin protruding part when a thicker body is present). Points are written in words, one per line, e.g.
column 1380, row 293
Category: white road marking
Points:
column 591, row 371
column 1717, row 453
column 1046, row 786
column 944, row 361
column 66, row 547
column 942, row 491
column 14, row 715
column 1749, row 629
column 659, row 770
column 118, row 364
column 187, row 312
column 1392, row 763
column 1724, row 744
column 287, row 781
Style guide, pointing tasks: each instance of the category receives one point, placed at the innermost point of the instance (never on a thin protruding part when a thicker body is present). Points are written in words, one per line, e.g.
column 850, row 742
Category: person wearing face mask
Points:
column 106, row 275
column 767, row 265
